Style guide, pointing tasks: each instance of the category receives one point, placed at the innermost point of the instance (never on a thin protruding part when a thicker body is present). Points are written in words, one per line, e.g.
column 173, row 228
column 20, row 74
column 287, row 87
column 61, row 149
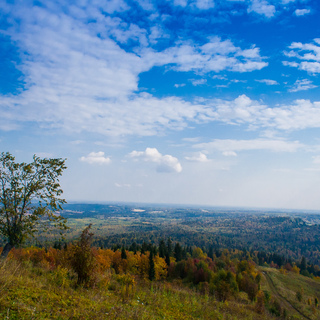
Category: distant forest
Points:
column 290, row 235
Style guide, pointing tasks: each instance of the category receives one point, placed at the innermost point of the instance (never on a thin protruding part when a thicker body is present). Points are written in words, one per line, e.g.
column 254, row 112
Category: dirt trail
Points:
column 285, row 303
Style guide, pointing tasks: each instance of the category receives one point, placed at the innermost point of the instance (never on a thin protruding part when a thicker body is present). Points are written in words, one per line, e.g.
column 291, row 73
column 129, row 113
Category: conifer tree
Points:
column 178, row 252
column 162, row 249
column 169, row 247
column 167, row 259
column 123, row 253
column 152, row 271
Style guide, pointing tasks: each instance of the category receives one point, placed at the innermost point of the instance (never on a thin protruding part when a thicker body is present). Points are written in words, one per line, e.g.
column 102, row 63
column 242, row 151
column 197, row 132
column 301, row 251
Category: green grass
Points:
column 287, row 285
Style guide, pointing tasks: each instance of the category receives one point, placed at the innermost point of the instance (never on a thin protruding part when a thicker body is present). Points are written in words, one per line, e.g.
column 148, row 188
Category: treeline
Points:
column 290, row 238
column 262, row 258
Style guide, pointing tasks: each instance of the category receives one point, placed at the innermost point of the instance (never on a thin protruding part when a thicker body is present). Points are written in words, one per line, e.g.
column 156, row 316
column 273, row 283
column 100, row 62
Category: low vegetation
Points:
column 168, row 281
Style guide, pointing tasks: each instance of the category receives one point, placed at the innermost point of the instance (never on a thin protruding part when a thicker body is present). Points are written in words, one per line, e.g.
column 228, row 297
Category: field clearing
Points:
column 285, row 287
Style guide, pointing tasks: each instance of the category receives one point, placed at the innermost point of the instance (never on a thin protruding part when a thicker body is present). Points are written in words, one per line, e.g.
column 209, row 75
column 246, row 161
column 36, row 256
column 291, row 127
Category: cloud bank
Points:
column 79, row 78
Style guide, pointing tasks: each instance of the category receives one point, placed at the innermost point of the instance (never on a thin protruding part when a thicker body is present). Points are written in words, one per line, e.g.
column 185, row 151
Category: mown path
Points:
column 284, row 302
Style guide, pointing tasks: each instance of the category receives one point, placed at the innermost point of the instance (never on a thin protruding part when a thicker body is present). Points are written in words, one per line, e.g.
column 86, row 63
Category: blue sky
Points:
column 190, row 102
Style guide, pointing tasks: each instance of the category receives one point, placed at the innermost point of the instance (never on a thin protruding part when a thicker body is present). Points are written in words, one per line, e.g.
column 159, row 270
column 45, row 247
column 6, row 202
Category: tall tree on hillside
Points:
column 29, row 197
column 152, row 271
column 169, row 247
column 162, row 249
column 303, row 264
column 178, row 252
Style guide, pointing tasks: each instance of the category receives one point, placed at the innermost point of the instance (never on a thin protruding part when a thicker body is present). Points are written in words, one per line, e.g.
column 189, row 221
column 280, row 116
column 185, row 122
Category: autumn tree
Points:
column 224, row 285
column 29, row 198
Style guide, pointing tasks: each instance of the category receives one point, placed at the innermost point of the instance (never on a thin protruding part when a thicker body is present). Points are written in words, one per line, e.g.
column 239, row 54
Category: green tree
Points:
column 178, row 252
column 162, row 249
column 167, row 259
column 29, row 197
column 123, row 253
column 224, row 285
column 169, row 247
column 152, row 271
column 303, row 264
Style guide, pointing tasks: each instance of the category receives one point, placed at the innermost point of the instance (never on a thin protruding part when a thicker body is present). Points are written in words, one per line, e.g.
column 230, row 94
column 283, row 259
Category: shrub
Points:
column 83, row 261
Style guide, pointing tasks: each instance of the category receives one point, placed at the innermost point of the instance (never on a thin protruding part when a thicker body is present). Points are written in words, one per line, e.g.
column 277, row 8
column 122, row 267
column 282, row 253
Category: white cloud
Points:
column 77, row 142
column 229, row 153
column 301, row 85
column 268, row 82
column 307, row 56
column 80, row 82
column 199, row 4
column 238, row 81
column 204, row 4
column 220, row 77
column 199, row 157
column 316, row 159
column 182, row 3
column 165, row 163
column 262, row 7
column 194, row 139
column 301, row 12
column 96, row 158
column 290, row 64
column 301, row 114
column 229, row 146
column 216, row 55
column 179, row 85
column 122, row 185
column 198, row 82
column 146, row 4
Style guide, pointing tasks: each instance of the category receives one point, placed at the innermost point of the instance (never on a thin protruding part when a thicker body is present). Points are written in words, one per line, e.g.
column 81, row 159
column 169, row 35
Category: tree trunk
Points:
column 7, row 248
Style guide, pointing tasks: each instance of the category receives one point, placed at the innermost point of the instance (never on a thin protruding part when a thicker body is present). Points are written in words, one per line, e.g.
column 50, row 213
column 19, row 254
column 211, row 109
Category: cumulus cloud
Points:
column 300, row 114
column 262, row 7
column 96, row 158
column 307, row 56
column 229, row 146
column 301, row 12
column 165, row 163
column 215, row 55
column 199, row 157
column 301, row 85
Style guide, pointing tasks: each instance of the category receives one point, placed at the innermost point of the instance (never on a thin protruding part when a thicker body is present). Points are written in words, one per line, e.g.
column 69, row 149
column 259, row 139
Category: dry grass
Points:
column 29, row 292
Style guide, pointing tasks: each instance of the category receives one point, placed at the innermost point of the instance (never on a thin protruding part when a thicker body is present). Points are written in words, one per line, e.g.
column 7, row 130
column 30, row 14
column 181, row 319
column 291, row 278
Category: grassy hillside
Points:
column 285, row 287
column 34, row 289
column 37, row 292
